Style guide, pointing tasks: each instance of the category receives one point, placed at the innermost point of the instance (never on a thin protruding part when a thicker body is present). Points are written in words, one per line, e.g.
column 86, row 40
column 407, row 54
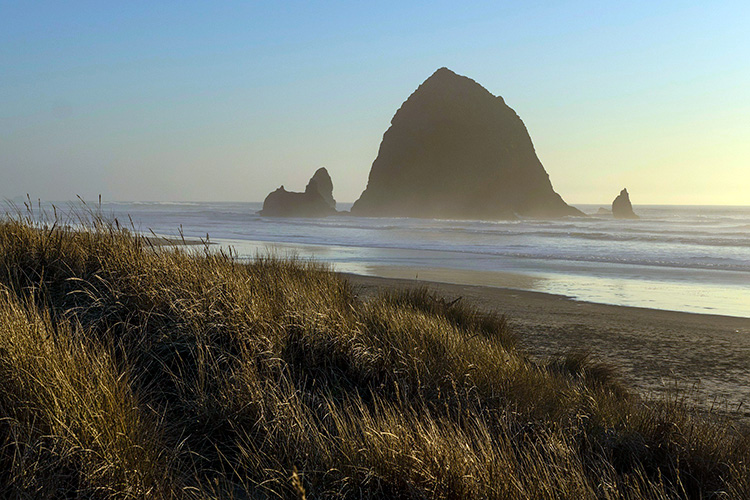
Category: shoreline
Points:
column 656, row 351
column 700, row 291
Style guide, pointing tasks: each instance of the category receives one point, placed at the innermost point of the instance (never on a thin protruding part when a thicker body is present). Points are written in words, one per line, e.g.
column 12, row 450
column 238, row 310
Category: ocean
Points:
column 683, row 258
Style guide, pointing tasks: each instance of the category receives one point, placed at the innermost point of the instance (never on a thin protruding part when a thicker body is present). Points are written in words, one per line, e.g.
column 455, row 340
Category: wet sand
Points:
column 706, row 356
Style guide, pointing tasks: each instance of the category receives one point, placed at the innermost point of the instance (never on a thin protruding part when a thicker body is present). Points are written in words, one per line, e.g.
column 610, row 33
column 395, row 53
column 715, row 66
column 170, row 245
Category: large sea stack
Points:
column 316, row 201
column 454, row 150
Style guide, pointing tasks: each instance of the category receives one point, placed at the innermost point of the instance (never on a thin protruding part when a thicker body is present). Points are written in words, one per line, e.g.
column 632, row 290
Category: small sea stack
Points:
column 316, row 201
column 322, row 182
column 622, row 208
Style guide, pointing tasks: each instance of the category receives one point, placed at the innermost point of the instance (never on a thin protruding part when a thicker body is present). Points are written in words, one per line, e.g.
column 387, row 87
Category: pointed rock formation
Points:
column 621, row 207
column 316, row 201
column 324, row 185
column 454, row 150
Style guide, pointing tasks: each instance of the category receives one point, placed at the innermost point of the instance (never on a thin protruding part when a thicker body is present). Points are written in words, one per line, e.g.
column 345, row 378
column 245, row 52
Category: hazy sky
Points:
column 201, row 101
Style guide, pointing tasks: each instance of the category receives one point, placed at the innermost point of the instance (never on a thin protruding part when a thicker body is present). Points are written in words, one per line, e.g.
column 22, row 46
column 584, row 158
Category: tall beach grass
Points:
column 135, row 371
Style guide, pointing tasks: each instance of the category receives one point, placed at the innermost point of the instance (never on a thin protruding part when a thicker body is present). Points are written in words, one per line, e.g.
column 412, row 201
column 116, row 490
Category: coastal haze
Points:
column 227, row 102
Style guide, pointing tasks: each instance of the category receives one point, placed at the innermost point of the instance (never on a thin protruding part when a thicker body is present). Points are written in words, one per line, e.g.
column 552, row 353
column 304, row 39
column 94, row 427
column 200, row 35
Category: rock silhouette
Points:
column 454, row 150
column 622, row 208
column 324, row 185
column 316, row 201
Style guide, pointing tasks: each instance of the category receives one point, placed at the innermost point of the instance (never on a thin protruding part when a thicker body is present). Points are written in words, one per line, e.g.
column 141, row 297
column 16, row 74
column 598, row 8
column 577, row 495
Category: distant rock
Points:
column 621, row 207
column 324, row 185
column 454, row 150
column 603, row 211
column 316, row 201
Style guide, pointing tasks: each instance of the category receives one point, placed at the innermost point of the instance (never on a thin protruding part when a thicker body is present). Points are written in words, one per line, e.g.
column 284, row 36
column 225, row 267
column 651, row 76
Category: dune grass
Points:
column 131, row 371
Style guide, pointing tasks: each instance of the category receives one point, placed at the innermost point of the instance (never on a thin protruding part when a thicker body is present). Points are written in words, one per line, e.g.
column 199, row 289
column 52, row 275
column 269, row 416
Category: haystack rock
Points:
column 454, row 150
column 316, row 201
column 622, row 208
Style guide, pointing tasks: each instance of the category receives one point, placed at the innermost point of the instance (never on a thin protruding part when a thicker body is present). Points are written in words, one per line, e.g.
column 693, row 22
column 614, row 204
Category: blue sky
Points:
column 199, row 101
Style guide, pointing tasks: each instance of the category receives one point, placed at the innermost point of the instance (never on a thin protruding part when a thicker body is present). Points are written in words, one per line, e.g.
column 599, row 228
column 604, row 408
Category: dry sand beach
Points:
column 705, row 356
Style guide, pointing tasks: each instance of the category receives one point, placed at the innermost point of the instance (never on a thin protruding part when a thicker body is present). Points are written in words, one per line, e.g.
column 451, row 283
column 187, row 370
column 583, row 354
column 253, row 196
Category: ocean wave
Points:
column 647, row 259
column 730, row 236
column 680, row 238
column 704, row 238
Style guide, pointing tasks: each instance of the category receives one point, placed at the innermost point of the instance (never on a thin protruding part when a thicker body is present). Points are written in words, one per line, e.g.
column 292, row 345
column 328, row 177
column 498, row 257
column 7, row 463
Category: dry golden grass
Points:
column 131, row 371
